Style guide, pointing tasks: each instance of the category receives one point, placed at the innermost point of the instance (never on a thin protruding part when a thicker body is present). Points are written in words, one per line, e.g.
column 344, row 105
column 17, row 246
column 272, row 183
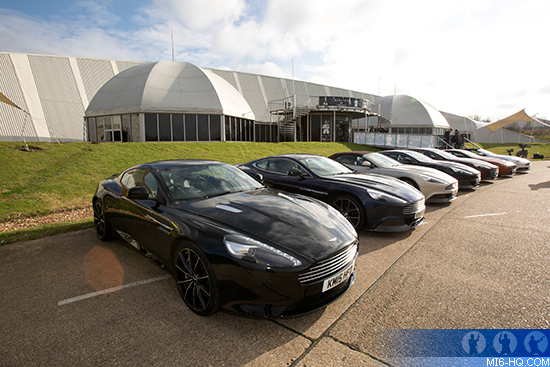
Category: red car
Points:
column 505, row 168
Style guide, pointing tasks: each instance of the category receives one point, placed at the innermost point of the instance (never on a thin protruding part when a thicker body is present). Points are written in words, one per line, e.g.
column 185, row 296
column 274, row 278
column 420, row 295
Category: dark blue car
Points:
column 368, row 201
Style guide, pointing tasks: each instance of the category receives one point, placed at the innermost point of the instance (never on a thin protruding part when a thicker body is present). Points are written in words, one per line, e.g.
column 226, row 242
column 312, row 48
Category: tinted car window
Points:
column 349, row 159
column 140, row 177
column 279, row 165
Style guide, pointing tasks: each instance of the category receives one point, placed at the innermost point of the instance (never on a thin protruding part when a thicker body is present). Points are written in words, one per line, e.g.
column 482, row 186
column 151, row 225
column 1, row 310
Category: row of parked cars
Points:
column 387, row 190
column 277, row 236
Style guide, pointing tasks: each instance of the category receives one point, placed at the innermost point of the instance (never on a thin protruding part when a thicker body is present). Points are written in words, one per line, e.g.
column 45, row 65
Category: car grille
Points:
column 451, row 186
column 329, row 266
column 414, row 207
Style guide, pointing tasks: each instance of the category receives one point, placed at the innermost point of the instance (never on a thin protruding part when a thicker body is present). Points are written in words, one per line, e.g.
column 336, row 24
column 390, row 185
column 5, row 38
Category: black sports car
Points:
column 467, row 177
column 373, row 202
column 230, row 242
column 488, row 171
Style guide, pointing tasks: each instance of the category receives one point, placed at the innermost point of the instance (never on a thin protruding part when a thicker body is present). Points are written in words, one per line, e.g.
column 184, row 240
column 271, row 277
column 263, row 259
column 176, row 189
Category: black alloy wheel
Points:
column 196, row 281
column 102, row 227
column 350, row 209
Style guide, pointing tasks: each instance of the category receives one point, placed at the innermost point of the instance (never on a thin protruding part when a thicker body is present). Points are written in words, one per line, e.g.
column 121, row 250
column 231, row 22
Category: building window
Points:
column 215, row 129
column 203, row 134
column 315, row 128
column 177, row 127
column 92, row 133
column 151, row 132
column 190, row 127
column 165, row 128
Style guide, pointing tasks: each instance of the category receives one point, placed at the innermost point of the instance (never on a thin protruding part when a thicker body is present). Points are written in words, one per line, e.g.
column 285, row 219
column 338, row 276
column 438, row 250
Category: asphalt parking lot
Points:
column 481, row 262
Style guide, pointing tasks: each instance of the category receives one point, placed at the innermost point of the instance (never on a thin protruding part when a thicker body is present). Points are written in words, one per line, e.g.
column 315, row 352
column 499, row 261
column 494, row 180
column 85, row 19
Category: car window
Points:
column 391, row 155
column 349, row 159
column 323, row 166
column 140, row 177
column 279, row 165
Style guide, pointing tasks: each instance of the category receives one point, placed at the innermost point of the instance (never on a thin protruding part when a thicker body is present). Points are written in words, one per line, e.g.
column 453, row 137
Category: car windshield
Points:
column 323, row 166
column 469, row 154
column 419, row 156
column 381, row 161
column 196, row 181
column 486, row 152
column 445, row 154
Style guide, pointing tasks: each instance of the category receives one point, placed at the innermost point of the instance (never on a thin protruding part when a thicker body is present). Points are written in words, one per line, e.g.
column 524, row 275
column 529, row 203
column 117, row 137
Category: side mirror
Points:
column 259, row 177
column 366, row 164
column 295, row 172
column 138, row 192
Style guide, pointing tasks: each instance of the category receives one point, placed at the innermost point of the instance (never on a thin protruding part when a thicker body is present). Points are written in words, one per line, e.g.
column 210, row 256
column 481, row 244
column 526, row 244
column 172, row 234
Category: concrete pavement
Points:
column 480, row 262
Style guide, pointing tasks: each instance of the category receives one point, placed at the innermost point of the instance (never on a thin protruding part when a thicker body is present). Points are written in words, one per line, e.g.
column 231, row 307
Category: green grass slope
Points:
column 56, row 176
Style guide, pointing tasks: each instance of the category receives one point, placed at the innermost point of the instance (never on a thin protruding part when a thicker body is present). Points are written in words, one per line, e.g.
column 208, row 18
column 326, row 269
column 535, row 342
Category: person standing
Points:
column 447, row 137
column 456, row 139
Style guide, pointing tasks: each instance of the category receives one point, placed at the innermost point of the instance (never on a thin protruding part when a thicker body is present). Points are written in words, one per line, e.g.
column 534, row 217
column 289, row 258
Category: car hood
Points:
column 497, row 161
column 484, row 164
column 517, row 160
column 382, row 183
column 291, row 222
column 418, row 170
column 450, row 164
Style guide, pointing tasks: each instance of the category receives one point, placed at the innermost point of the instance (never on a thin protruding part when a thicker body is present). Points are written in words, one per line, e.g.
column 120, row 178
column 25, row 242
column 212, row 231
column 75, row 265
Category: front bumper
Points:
column 271, row 295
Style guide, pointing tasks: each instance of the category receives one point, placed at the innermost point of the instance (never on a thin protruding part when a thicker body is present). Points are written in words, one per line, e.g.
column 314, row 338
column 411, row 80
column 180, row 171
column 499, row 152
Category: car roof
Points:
column 396, row 150
column 354, row 152
column 290, row 155
column 177, row 162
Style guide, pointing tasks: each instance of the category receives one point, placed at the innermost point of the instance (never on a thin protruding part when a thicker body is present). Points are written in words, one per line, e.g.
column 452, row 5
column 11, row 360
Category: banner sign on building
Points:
column 341, row 101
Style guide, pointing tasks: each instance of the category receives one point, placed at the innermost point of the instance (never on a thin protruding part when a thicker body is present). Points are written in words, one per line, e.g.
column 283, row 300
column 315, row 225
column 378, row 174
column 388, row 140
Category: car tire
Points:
column 351, row 209
column 196, row 281
column 410, row 182
column 101, row 223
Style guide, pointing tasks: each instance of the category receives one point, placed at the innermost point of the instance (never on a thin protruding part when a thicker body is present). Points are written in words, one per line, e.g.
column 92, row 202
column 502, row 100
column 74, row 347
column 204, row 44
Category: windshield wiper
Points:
column 218, row 194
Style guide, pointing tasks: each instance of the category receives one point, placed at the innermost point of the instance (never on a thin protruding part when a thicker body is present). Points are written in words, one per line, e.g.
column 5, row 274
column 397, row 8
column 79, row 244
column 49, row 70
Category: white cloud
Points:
column 197, row 15
column 466, row 57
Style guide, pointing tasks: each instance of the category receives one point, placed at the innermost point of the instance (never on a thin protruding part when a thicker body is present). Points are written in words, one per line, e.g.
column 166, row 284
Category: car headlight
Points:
column 460, row 170
column 476, row 165
column 382, row 196
column 342, row 219
column 433, row 180
column 248, row 249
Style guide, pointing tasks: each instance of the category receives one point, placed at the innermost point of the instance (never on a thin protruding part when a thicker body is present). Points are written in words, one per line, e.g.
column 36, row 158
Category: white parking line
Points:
column 485, row 215
column 111, row 290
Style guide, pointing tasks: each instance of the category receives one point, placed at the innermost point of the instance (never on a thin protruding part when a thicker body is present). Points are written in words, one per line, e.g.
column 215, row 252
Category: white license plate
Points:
column 338, row 278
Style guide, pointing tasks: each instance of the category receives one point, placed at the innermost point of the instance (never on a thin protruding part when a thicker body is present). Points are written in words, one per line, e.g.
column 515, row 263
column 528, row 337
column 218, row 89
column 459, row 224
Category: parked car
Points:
column 505, row 168
column 467, row 177
column 231, row 243
column 371, row 202
column 437, row 186
column 522, row 164
column 488, row 170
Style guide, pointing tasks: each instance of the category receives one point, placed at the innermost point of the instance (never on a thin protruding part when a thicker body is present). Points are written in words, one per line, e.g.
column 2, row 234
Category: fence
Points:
column 396, row 141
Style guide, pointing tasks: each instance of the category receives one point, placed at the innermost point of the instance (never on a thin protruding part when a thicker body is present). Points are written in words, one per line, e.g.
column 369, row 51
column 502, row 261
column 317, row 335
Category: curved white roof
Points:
column 169, row 87
column 407, row 111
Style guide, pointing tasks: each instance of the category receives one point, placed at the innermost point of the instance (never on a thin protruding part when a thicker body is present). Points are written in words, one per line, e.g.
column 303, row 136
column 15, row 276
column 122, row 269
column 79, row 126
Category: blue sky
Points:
column 468, row 57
